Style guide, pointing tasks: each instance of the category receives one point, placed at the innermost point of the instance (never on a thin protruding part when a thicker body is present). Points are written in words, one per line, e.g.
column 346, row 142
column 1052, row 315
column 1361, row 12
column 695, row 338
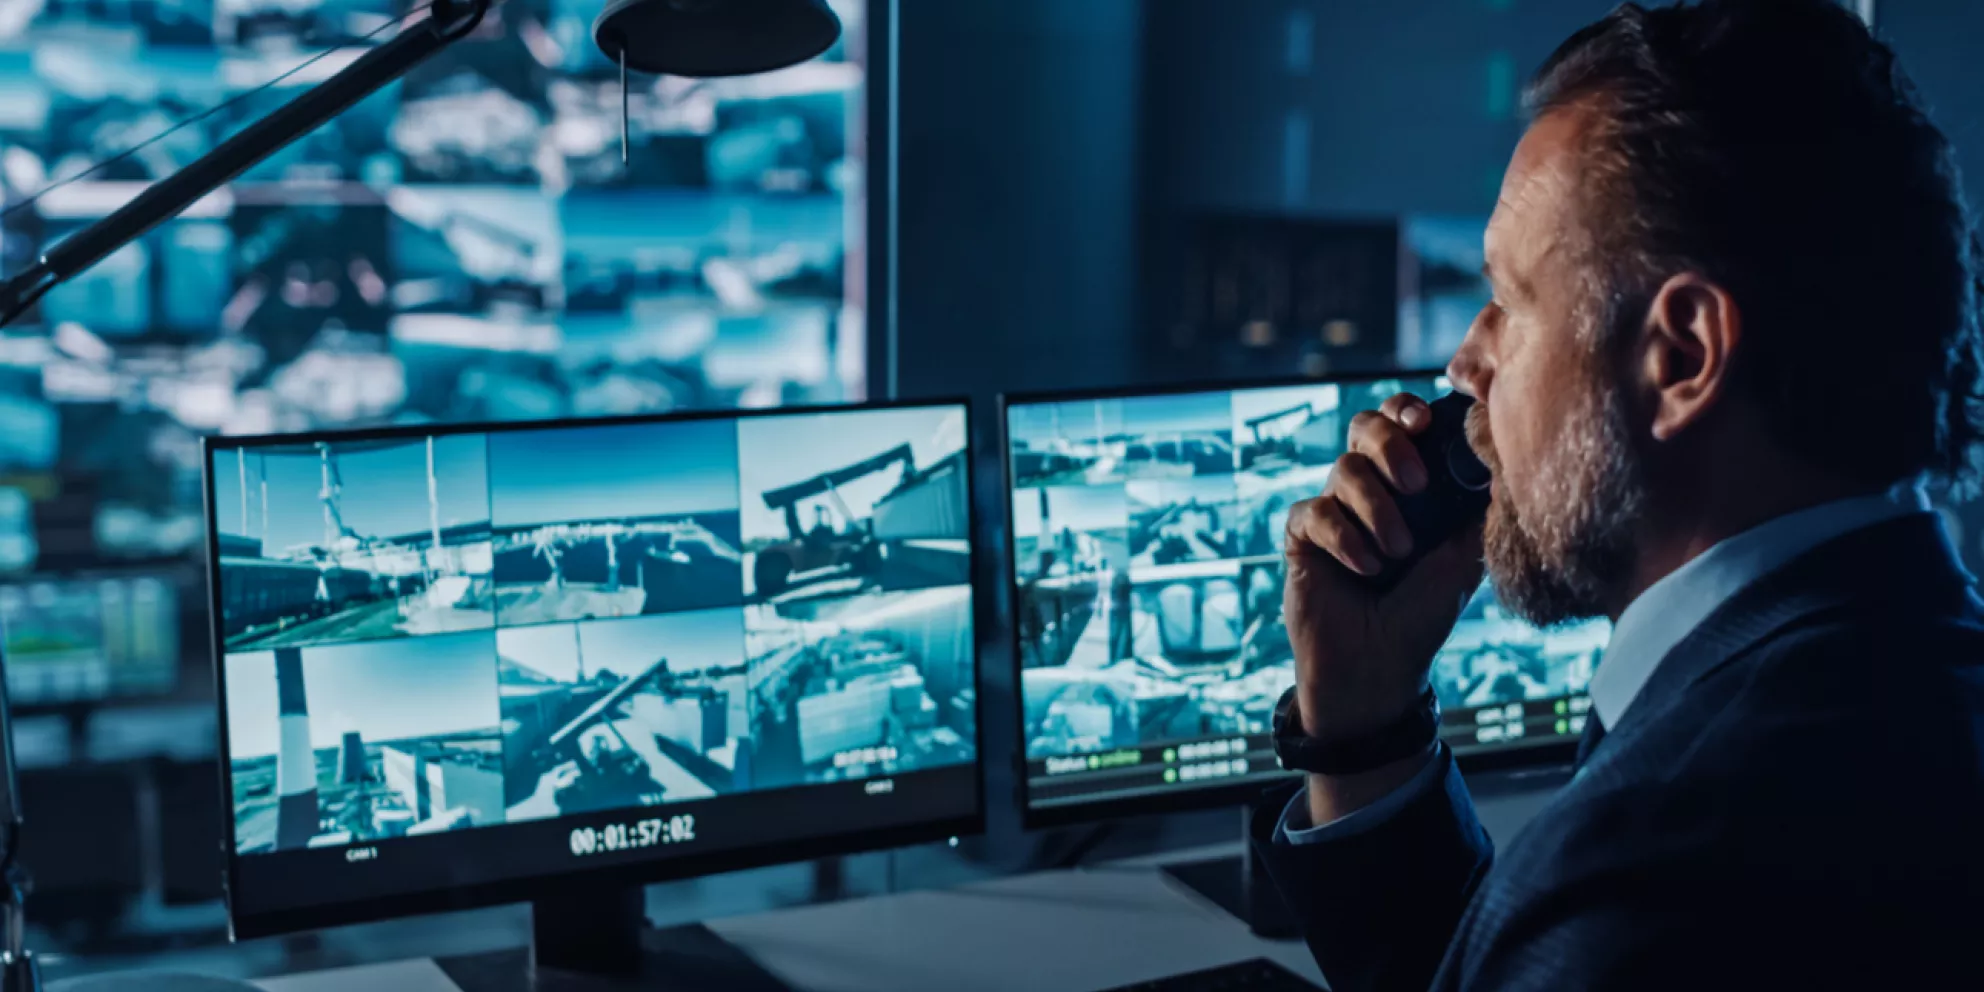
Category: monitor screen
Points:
column 1146, row 542
column 83, row 639
column 466, row 244
column 459, row 662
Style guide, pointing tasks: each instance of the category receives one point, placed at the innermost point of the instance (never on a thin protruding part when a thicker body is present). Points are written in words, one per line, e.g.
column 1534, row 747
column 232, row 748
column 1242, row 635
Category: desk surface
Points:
column 1062, row 931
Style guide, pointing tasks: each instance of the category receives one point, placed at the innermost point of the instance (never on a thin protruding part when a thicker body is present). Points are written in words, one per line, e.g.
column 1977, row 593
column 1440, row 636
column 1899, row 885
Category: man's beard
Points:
column 1560, row 547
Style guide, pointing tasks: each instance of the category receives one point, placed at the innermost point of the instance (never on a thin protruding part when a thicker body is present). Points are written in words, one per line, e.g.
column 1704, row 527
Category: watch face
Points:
column 1283, row 709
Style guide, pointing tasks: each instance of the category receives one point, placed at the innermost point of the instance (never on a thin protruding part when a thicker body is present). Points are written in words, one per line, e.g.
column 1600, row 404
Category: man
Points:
column 1734, row 322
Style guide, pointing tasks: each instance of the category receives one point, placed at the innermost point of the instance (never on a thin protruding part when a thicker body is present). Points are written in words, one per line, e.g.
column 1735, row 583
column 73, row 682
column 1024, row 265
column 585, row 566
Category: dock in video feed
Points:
column 615, row 521
column 623, row 713
column 859, row 632
column 344, row 744
column 1098, row 442
column 352, row 540
column 1123, row 658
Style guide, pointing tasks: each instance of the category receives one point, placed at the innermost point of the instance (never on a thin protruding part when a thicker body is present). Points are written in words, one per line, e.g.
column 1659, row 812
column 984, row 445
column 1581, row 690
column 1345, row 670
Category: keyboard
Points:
column 1258, row 975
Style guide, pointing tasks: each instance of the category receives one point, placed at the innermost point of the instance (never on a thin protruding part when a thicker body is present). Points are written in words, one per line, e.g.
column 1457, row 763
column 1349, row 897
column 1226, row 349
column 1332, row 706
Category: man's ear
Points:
column 1691, row 332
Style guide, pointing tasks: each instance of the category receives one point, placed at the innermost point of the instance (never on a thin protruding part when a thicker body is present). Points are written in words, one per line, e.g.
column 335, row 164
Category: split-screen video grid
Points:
column 427, row 633
column 1147, row 540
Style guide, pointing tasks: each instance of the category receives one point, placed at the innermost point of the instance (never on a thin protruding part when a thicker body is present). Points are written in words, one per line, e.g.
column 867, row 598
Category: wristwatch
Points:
column 1414, row 730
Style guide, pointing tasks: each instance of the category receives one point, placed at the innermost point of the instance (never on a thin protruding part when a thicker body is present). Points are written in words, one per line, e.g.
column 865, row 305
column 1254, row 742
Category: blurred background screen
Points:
column 464, row 245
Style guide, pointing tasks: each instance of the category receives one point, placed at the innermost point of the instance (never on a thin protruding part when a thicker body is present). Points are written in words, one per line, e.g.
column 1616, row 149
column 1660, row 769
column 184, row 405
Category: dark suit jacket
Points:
column 1795, row 800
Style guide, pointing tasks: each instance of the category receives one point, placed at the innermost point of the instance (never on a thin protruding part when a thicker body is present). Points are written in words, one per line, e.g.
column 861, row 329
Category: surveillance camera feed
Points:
column 607, row 642
column 1146, row 538
column 466, row 245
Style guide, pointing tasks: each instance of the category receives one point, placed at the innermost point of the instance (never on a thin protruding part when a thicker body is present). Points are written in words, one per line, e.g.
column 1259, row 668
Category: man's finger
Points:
column 1320, row 524
column 1355, row 483
column 1388, row 446
column 1409, row 410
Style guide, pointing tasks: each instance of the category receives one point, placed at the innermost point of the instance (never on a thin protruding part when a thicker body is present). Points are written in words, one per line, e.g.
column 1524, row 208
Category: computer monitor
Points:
column 467, row 665
column 89, row 638
column 1146, row 539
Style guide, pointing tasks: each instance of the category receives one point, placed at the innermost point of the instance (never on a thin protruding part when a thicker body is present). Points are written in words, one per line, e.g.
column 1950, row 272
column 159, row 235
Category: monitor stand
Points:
column 1240, row 885
column 601, row 941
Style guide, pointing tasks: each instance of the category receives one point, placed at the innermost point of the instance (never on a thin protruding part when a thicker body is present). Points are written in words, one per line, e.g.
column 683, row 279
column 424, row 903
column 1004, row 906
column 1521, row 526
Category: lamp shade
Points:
column 714, row 37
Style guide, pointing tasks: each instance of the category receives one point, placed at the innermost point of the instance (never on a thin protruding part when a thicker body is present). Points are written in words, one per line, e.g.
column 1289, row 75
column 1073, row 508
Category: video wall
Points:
column 465, row 245
column 429, row 632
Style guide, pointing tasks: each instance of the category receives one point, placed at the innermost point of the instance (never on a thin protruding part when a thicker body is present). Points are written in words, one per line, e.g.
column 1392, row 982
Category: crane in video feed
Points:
column 1255, row 424
column 559, row 725
column 807, row 553
column 350, row 583
column 1285, row 433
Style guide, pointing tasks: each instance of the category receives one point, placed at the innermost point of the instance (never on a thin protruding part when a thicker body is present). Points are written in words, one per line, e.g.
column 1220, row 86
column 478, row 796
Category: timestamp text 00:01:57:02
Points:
column 638, row 834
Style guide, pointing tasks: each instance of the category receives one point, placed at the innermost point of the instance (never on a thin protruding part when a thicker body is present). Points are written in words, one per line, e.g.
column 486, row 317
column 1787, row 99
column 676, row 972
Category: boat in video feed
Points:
column 617, row 714
column 615, row 521
column 859, row 628
column 353, row 540
column 343, row 744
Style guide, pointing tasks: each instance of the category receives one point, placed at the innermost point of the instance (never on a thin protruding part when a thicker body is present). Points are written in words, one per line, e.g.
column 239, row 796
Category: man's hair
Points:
column 1775, row 147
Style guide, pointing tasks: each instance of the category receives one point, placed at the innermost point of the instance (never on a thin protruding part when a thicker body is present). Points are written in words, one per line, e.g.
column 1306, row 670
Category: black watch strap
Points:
column 1412, row 733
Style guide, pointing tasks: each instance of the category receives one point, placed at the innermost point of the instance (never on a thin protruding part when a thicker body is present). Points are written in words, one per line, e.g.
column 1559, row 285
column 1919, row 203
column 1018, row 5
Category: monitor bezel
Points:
column 1184, row 800
column 250, row 924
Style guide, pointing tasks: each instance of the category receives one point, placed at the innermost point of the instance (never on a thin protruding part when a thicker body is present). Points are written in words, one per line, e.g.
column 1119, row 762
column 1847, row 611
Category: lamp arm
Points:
column 447, row 22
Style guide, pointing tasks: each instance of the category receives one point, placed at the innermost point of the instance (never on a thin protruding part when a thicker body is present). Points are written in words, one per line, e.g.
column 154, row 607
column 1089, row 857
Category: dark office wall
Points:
column 1941, row 43
column 1019, row 183
column 1337, row 107
column 1333, row 112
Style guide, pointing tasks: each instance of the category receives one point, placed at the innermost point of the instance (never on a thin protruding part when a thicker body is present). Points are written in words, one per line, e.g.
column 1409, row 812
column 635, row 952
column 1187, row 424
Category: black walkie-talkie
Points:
column 1456, row 492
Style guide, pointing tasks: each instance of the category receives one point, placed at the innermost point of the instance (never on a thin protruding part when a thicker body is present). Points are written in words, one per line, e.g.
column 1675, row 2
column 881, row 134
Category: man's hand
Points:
column 1361, row 658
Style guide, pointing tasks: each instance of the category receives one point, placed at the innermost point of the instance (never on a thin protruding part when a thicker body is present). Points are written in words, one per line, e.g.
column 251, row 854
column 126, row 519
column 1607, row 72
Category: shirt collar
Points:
column 1671, row 608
